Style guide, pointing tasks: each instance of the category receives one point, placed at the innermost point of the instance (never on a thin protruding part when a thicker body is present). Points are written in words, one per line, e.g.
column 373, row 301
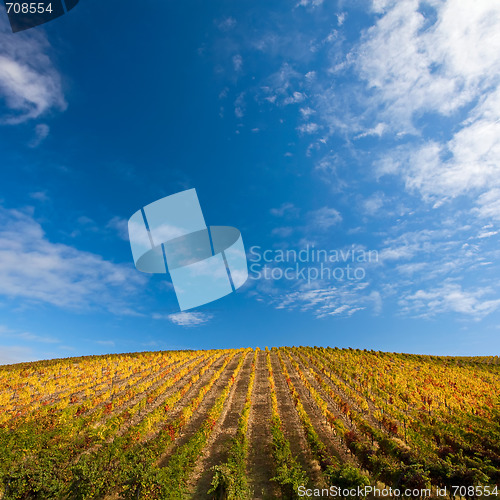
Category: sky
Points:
column 365, row 131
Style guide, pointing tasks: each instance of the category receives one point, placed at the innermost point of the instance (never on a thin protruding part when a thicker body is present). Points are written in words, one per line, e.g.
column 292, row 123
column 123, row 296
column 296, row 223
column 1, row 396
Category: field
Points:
column 249, row 424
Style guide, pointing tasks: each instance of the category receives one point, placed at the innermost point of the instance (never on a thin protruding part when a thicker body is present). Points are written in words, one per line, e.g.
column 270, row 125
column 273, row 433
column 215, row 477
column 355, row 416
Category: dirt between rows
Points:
column 331, row 441
column 260, row 464
column 335, row 383
column 216, row 450
column 292, row 426
column 201, row 412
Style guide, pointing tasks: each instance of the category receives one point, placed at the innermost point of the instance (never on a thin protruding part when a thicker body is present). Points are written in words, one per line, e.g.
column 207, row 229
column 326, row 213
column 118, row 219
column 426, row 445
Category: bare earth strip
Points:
column 310, row 370
column 332, row 442
column 337, row 388
column 191, row 427
column 260, row 466
column 292, row 427
column 215, row 451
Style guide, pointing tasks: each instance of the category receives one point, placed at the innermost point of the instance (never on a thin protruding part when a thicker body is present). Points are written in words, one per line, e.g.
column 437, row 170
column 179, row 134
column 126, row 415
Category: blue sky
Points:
column 355, row 126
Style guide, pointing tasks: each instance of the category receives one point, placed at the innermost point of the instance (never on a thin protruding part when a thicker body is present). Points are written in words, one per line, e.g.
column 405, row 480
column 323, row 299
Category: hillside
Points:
column 248, row 424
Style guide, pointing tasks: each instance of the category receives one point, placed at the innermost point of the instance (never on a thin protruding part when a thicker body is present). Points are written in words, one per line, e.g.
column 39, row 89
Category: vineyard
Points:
column 250, row 424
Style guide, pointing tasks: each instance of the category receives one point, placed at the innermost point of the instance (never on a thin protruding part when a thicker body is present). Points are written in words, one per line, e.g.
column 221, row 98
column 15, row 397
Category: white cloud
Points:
column 412, row 243
column 450, row 297
column 41, row 196
column 294, row 98
column 226, row 24
column 282, row 232
column 325, row 300
column 237, row 63
column 284, row 209
column 279, row 86
column 30, row 85
column 378, row 130
column 36, row 270
column 41, row 133
column 189, row 319
column 308, row 128
column 120, row 225
column 109, row 343
column 328, row 168
column 413, row 268
column 489, row 204
column 307, row 3
column 307, row 112
column 487, row 234
column 413, row 68
column 239, row 106
column 374, row 203
column 324, row 218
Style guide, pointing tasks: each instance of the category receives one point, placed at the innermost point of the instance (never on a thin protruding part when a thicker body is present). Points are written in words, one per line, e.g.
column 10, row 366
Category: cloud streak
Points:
column 36, row 270
column 189, row 319
column 30, row 85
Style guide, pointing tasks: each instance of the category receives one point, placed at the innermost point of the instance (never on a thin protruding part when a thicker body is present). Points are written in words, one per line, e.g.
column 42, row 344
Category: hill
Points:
column 245, row 423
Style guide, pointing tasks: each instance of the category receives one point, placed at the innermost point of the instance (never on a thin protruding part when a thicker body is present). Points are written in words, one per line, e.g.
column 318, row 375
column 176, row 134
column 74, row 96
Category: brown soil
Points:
column 292, row 426
column 215, row 451
column 260, row 465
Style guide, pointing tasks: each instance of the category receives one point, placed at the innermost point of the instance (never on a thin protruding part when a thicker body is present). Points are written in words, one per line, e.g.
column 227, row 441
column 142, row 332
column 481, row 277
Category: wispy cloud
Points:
column 237, row 63
column 189, row 319
column 450, row 297
column 284, row 209
column 26, row 336
column 120, row 225
column 282, row 232
column 110, row 343
column 324, row 300
column 30, row 85
column 378, row 130
column 41, row 196
column 239, row 106
column 25, row 346
column 35, row 270
column 309, row 3
column 324, row 218
column 308, row 128
column 226, row 24
column 373, row 204
column 41, row 133
column 450, row 67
